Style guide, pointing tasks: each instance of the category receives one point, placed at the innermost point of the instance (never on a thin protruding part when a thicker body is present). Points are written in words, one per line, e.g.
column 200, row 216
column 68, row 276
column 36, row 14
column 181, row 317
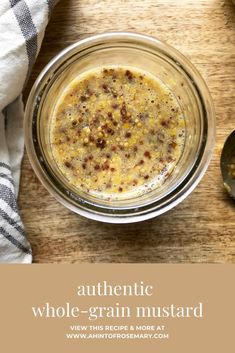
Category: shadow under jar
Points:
column 143, row 53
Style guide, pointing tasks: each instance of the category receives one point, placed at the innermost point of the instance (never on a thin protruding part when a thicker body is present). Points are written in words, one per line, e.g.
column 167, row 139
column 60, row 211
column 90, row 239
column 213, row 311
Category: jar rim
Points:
column 186, row 185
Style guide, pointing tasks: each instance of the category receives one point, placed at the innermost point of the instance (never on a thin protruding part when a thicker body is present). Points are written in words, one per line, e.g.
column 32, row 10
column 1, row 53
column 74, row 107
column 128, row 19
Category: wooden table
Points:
column 200, row 229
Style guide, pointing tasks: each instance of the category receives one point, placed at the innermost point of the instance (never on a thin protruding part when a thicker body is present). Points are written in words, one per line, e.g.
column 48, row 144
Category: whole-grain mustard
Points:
column 116, row 131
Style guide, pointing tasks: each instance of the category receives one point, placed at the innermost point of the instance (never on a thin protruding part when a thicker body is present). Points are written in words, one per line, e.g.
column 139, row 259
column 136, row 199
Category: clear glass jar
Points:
column 148, row 54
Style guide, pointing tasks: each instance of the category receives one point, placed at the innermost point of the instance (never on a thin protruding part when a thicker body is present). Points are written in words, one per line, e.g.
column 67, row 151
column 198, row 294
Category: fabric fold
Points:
column 22, row 27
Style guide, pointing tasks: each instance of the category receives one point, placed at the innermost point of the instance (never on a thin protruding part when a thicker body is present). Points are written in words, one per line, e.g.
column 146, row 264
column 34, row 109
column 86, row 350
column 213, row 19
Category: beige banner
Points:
column 127, row 308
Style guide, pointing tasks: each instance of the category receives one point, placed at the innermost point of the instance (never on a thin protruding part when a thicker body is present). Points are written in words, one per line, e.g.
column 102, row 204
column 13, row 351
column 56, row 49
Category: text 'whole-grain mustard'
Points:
column 116, row 132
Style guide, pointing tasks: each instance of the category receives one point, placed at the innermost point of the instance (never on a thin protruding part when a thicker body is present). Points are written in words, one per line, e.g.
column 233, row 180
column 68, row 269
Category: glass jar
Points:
column 155, row 57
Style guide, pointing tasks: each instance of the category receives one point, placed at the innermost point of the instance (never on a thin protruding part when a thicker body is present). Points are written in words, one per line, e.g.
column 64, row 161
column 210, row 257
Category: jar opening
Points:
column 143, row 53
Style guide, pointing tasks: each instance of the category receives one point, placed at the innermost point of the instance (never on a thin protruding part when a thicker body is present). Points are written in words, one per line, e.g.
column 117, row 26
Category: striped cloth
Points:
column 22, row 26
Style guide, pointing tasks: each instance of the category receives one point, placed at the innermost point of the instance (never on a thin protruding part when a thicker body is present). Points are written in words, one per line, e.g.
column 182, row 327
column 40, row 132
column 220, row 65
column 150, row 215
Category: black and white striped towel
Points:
column 22, row 26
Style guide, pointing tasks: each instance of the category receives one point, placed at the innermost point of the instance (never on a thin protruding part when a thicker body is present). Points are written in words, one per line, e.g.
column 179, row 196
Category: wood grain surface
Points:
column 201, row 228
